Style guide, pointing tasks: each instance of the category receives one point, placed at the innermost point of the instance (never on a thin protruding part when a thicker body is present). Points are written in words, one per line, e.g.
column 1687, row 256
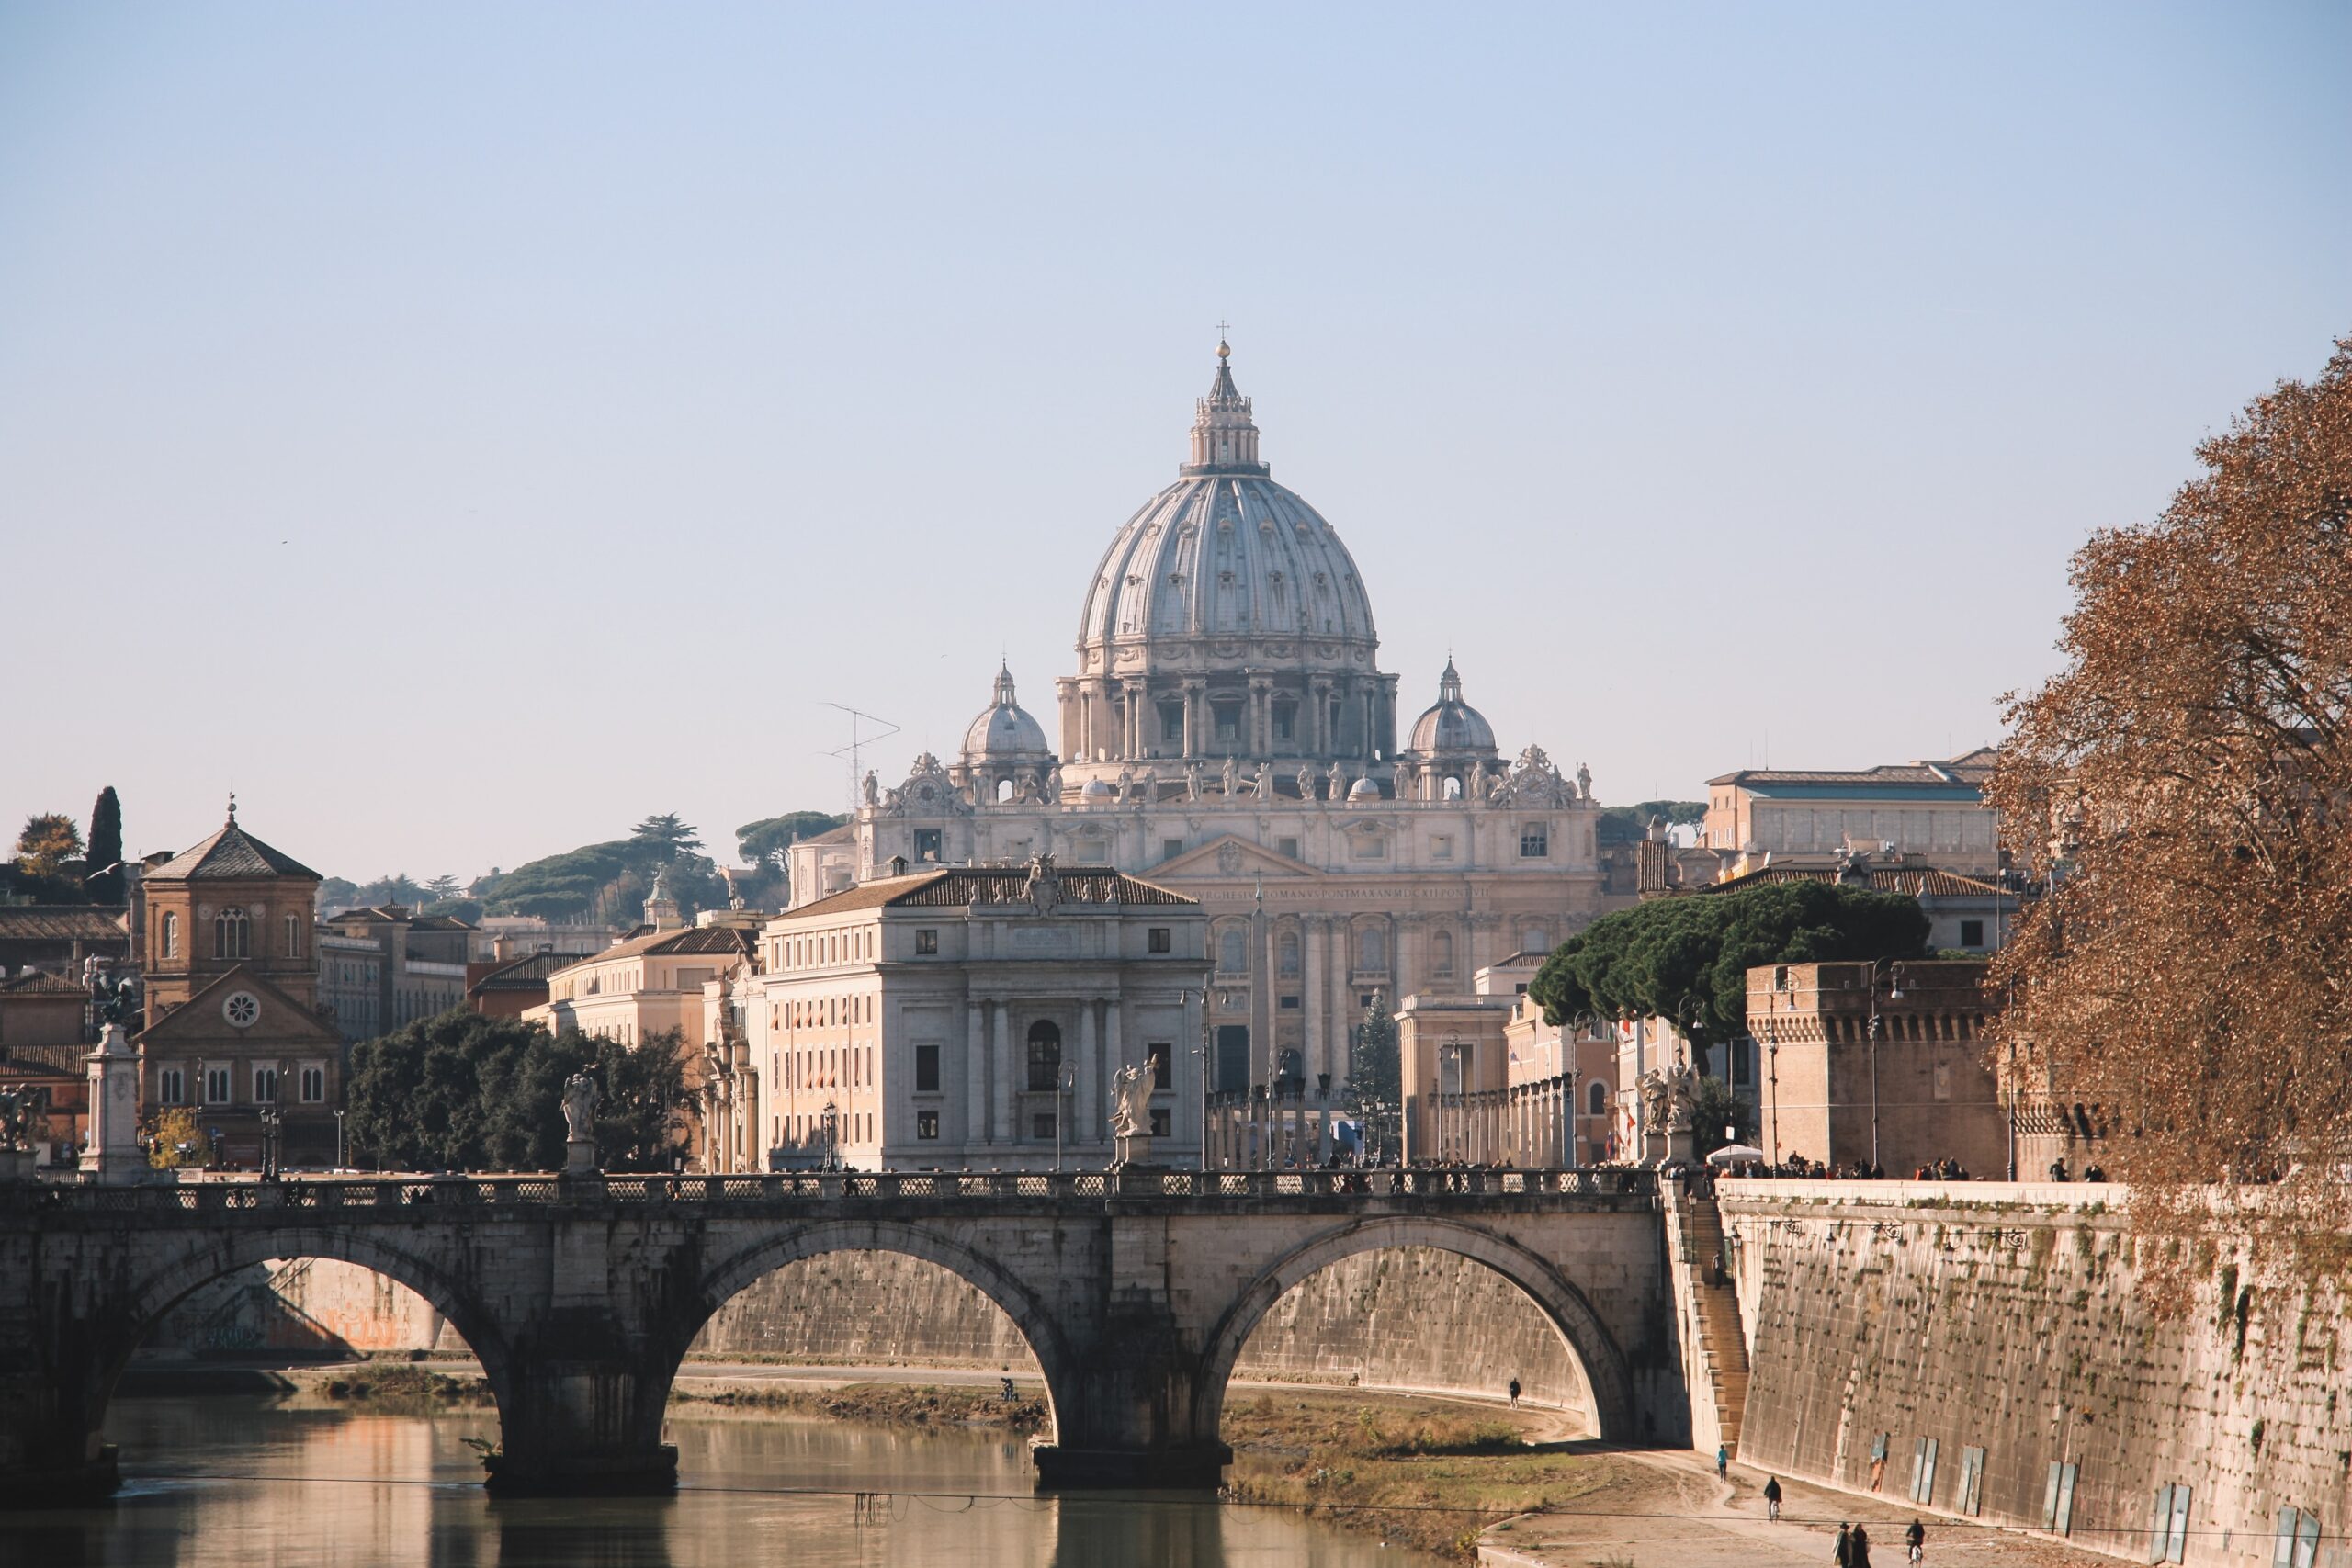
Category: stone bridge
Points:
column 580, row 1295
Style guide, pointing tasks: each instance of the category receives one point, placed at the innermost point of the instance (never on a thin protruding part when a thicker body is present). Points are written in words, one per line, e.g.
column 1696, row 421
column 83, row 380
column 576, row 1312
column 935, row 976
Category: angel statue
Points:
column 580, row 1109
column 1232, row 778
column 1129, row 1111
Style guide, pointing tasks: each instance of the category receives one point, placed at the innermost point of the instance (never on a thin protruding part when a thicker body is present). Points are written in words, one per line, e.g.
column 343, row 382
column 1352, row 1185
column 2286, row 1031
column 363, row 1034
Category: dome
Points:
column 1226, row 553
column 1096, row 789
column 1452, row 725
column 1363, row 789
column 1005, row 732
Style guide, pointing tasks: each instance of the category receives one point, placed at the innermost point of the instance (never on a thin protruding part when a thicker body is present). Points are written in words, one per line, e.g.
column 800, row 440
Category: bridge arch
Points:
column 1032, row 1316
column 1593, row 1353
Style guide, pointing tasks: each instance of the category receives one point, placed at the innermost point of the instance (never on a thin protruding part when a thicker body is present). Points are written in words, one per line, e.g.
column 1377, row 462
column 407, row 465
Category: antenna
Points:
column 852, row 753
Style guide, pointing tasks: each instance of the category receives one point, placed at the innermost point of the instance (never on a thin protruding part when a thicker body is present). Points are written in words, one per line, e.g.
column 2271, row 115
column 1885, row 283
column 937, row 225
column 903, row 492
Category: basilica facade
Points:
column 1229, row 735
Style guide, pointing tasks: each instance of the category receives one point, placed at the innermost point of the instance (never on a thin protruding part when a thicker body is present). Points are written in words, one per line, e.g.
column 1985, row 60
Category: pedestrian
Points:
column 1514, row 1393
column 1842, row 1554
column 1915, row 1537
column 1723, row 1463
column 1773, row 1497
column 1858, row 1553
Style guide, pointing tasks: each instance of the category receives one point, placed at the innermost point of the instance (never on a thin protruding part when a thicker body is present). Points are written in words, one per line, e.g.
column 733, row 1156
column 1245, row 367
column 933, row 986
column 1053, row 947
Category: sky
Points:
column 464, row 430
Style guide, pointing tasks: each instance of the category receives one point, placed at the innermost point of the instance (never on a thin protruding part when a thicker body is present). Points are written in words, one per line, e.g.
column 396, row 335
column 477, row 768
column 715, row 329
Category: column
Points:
column 1318, row 1040
column 1081, row 1096
column 999, row 1023
column 1191, row 719
column 1186, row 1079
column 976, row 1077
column 1261, row 716
column 1114, row 1058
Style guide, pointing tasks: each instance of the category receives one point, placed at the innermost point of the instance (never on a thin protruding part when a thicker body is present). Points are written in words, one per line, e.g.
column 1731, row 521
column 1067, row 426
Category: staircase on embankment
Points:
column 1714, row 1350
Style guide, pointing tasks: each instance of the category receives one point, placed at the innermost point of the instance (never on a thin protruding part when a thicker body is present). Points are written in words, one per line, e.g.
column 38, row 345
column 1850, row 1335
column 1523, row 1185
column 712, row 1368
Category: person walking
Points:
column 1915, row 1537
column 1843, row 1553
column 1773, row 1497
column 1723, row 1463
column 1514, row 1393
column 1858, row 1550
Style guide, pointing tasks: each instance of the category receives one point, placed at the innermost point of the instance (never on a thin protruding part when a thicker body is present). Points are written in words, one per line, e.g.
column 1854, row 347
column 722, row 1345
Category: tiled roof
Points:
column 63, row 923
column 1918, row 881
column 845, row 834
column 231, row 853
column 732, row 941
column 955, row 887
column 526, row 974
column 43, row 1061
column 1971, row 768
column 42, row 984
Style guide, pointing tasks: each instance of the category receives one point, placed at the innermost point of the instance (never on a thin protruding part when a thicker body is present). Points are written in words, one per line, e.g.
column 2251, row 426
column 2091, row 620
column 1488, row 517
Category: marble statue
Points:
column 580, row 1109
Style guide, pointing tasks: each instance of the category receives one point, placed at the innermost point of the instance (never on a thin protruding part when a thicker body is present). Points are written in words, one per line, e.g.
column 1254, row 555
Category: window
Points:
column 293, row 948
column 927, row 843
column 171, row 1088
column 1535, row 842
column 231, row 934
column 1232, row 956
column 2298, row 1537
column 1228, row 716
column 1044, row 1057
column 926, row 1069
column 1372, row 950
column 1534, row 938
column 171, row 933
column 1156, row 940
column 1442, row 847
column 1171, row 848
column 1161, row 1125
column 1157, row 1058
column 216, row 1086
column 1286, row 847
column 1041, row 1124
column 927, row 940
column 1442, row 954
column 1285, row 719
column 926, row 1124
column 1286, row 952
column 1172, row 723
column 1290, row 1004
column 1971, row 934
column 1596, row 1099
column 265, row 1086
column 315, row 1083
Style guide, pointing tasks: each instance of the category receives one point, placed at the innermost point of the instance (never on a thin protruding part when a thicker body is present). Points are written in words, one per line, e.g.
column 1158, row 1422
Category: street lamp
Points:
column 338, row 1140
column 1066, row 1080
column 1877, row 1025
column 832, row 1135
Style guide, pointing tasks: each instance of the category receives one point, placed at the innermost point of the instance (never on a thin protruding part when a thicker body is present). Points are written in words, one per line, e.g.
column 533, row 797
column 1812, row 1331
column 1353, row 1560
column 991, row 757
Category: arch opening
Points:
column 1411, row 1306
column 924, row 1300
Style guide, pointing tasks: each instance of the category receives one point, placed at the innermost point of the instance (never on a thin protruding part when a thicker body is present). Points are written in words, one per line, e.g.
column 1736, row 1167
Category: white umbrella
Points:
column 1736, row 1154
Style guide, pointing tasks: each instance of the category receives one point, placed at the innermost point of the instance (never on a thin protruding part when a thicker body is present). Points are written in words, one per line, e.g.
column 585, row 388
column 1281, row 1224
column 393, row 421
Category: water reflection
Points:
column 224, row 1482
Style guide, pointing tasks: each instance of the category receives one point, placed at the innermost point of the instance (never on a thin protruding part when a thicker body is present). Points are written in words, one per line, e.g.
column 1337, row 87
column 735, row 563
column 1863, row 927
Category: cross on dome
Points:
column 1225, row 436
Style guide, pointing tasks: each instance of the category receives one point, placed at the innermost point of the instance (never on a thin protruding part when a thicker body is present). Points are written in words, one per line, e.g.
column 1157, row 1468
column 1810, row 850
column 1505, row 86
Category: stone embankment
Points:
column 1984, row 1351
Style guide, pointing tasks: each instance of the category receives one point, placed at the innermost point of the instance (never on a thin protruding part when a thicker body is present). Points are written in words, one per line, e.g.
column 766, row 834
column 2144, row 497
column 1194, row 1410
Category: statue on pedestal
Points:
column 1232, row 778
column 580, row 1126
column 1130, row 1117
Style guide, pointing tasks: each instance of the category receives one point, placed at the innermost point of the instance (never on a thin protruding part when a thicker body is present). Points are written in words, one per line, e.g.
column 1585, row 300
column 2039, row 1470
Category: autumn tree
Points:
column 49, row 841
column 2182, row 784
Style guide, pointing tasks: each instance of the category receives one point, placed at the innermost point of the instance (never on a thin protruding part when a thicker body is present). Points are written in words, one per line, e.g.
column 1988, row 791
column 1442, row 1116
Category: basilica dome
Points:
column 1004, row 732
column 1226, row 553
column 1451, row 725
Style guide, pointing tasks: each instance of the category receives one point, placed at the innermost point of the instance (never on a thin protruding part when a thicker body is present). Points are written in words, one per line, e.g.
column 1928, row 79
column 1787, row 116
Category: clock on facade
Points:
column 242, row 1009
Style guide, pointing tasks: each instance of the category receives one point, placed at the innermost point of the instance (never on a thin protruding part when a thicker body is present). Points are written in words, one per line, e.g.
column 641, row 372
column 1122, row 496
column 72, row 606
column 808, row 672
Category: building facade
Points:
column 383, row 966
column 976, row 1018
column 233, row 1028
column 1934, row 809
column 1229, row 733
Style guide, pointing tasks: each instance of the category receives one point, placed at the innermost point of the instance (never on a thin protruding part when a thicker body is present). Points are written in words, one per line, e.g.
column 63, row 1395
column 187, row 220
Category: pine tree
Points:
column 1377, row 1078
column 106, row 848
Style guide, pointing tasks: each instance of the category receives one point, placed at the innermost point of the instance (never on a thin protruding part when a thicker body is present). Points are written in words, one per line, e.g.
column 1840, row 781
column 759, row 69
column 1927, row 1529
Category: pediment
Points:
column 1229, row 855
column 282, row 1020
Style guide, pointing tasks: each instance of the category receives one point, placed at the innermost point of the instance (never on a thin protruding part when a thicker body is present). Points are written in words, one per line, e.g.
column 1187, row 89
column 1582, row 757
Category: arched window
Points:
column 1288, row 952
column 1452, row 786
column 1596, row 1099
column 1003, row 790
column 1442, row 951
column 231, row 934
column 1372, row 950
column 171, row 933
column 1044, row 1055
column 1534, row 938
column 1232, row 957
column 293, row 936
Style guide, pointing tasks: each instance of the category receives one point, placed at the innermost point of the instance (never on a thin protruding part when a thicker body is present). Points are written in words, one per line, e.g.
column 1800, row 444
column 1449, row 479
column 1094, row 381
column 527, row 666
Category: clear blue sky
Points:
column 470, row 428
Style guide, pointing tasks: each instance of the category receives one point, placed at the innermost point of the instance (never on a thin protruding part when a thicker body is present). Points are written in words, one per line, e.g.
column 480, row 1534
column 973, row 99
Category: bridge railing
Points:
column 419, row 1190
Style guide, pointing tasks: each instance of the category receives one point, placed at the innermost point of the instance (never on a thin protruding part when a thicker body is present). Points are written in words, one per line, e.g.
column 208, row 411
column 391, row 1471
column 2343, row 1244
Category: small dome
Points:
column 1363, row 789
column 1096, row 790
column 1005, row 732
column 1452, row 725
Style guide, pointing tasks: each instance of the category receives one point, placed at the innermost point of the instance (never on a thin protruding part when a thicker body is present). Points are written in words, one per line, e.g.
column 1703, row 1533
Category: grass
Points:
column 881, row 1404
column 407, row 1391
column 1409, row 1474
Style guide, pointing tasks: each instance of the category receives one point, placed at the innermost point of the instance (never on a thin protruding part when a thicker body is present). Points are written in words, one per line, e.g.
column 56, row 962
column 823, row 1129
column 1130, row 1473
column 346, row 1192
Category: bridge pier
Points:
column 1128, row 1416
column 52, row 1453
column 580, row 1414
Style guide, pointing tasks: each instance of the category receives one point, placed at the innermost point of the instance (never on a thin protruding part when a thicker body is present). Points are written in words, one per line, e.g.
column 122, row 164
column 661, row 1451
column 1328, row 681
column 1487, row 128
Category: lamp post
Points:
column 832, row 1135
column 1202, row 1050
column 338, row 1140
column 1064, row 1082
column 1449, row 1063
column 1877, row 1026
column 1772, row 1052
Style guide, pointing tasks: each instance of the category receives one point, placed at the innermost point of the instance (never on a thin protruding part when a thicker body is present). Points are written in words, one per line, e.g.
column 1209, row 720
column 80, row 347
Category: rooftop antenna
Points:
column 853, row 752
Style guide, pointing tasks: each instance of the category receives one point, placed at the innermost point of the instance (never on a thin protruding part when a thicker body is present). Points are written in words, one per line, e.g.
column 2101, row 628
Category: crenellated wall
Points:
column 2007, row 1317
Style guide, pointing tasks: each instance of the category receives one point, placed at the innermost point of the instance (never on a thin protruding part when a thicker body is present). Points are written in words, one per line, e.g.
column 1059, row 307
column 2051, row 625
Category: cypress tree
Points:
column 106, row 848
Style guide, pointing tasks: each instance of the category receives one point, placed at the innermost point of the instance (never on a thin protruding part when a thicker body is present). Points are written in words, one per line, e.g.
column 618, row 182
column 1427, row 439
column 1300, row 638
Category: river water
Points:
column 244, row 1483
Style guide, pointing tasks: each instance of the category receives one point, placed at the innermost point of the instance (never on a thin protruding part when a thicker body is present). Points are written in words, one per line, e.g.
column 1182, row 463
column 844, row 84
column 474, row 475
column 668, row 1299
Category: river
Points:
column 248, row 1482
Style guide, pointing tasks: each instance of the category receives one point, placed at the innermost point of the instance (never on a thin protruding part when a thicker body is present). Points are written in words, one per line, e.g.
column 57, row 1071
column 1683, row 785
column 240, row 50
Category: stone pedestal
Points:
column 579, row 1158
column 1131, row 1149
column 112, row 1156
